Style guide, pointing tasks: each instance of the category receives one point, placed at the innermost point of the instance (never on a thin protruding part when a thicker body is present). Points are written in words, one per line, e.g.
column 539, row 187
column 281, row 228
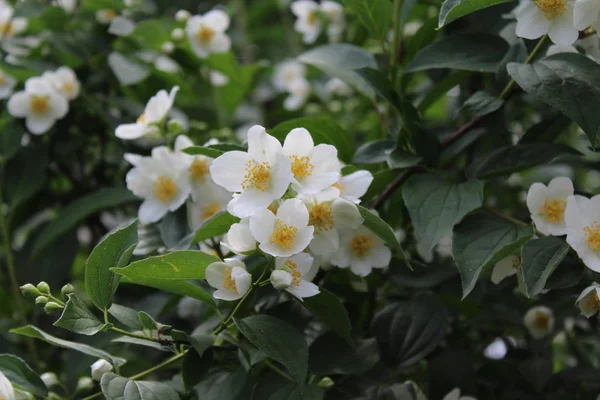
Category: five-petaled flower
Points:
column 361, row 250
column 583, row 229
column 230, row 278
column 289, row 275
column 547, row 205
column 553, row 17
column 206, row 33
column 539, row 321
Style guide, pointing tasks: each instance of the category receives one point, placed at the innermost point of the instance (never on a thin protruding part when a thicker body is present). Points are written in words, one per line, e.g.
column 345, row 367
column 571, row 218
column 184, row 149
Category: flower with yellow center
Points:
column 589, row 300
column 260, row 176
column 199, row 169
column 353, row 186
column 553, row 17
column 64, row 82
column 230, row 278
column 285, row 233
column 206, row 33
column 547, row 205
column 308, row 23
column 539, row 321
column 289, row 275
column 582, row 218
column 7, row 392
column 9, row 24
column 361, row 250
column 336, row 22
column 105, row 16
column 207, row 200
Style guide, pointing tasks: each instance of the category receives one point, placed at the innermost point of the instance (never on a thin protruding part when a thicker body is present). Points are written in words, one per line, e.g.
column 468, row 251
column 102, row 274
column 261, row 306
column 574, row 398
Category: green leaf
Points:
column 179, row 287
column 80, row 209
column 216, row 226
column 222, row 384
column 11, row 133
column 201, row 150
column 375, row 15
column 114, row 251
column 147, row 321
column 399, row 158
column 452, row 10
column 374, row 152
column 480, row 241
column 436, row 203
column 25, row 174
column 479, row 52
column 178, row 265
column 322, row 130
column 77, row 318
column 341, row 60
column 201, row 343
column 540, row 257
column 509, row 159
column 440, row 88
column 279, row 341
column 482, row 103
column 34, row 332
column 546, row 131
column 21, row 375
column 570, row 82
column 152, row 33
column 328, row 355
column 330, row 310
column 381, row 180
column 408, row 332
column 116, row 387
column 126, row 316
column 195, row 367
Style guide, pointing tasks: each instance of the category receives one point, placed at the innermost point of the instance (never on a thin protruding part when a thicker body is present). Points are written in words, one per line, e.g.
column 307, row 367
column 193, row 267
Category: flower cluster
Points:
column 289, row 77
column 313, row 17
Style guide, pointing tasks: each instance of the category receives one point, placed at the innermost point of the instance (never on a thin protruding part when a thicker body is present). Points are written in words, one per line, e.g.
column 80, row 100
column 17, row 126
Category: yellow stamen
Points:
column 2, row 82
column 68, row 87
column 283, row 235
column 296, row 275
column 554, row 210
column 7, row 28
column 142, row 118
column 210, row 210
column 592, row 234
column 257, row 176
column 229, row 283
column 205, row 35
column 321, row 217
column 199, row 170
column 313, row 17
column 541, row 320
column 110, row 14
column 551, row 8
column 361, row 245
column 593, row 301
column 39, row 105
column 273, row 207
column 338, row 186
column 301, row 166
column 516, row 263
column 164, row 189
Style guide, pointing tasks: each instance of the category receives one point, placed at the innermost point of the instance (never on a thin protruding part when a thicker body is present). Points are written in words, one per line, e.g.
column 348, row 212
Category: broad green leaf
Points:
column 11, row 133
column 114, row 251
column 509, row 159
column 407, row 332
column 174, row 229
column 322, row 130
column 279, row 341
column 183, row 288
column 547, row 131
column 374, row 152
column 147, row 321
column 195, row 367
column 375, row 15
column 34, row 332
column 399, row 158
column 141, row 342
column 126, row 316
column 80, row 209
column 152, row 33
column 436, row 203
column 216, row 226
column 480, row 52
column 482, row 103
column 201, row 343
column 21, row 375
column 127, row 71
column 570, row 82
column 480, row 241
column 223, row 384
column 183, row 265
column 77, row 318
column 116, row 387
column 25, row 174
column 328, row 355
column 440, row 88
column 330, row 310
column 454, row 9
column 540, row 257
column 340, row 60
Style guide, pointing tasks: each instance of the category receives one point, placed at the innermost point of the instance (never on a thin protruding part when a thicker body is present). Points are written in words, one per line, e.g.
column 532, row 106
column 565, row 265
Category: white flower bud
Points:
column 99, row 368
column 281, row 279
column 178, row 34
column 182, row 15
column 50, row 379
column 167, row 47
column 84, row 383
column 539, row 321
column 6, row 388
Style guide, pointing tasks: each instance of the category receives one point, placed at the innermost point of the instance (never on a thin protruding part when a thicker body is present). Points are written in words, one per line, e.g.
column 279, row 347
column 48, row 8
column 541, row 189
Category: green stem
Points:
column 395, row 51
column 225, row 323
column 133, row 335
column 56, row 300
column 278, row 370
column 534, row 52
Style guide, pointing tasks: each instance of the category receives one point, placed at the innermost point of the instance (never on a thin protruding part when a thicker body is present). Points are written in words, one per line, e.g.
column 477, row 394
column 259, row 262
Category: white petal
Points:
column 562, row 30
column 531, row 22
column 262, row 146
column 18, row 104
column 302, row 8
column 586, row 13
column 130, row 131
column 304, row 261
column 217, row 20
column 239, row 238
column 346, row 214
column 302, row 239
column 59, row 106
column 281, row 176
column 250, row 201
column 226, row 295
column 182, row 142
column 304, row 289
column 242, row 279
column 229, row 169
column 262, row 224
column 293, row 212
column 453, row 395
column 536, row 197
column 503, row 269
column 6, row 389
column 298, row 142
column 325, row 243
column 355, row 185
column 38, row 124
column 325, row 158
column 380, row 256
column 220, row 43
column 215, row 274
column 151, row 211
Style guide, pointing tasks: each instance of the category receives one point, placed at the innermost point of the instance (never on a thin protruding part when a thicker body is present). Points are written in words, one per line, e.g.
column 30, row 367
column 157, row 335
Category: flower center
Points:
column 283, row 235
column 39, row 105
column 361, row 245
column 164, row 189
column 551, row 8
column 592, row 234
column 273, row 207
column 7, row 28
column 321, row 217
column 2, row 82
column 199, row 170
column 301, row 166
column 141, row 119
column 313, row 17
column 257, row 176
column 229, row 283
column 110, row 14
column 205, row 35
column 296, row 275
column 68, row 87
column 541, row 320
column 554, row 210
column 516, row 262
column 210, row 210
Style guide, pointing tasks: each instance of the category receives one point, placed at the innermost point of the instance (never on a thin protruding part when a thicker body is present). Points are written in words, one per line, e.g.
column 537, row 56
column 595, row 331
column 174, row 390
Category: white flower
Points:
column 167, row 47
column 178, row 34
column 337, row 87
column 206, row 33
column 330, row 215
column 218, row 79
column 161, row 62
column 208, row 201
column 286, row 73
column 230, row 278
column 6, row 389
column 314, row 167
column 335, row 14
column 199, row 172
column 539, row 321
column 261, row 175
column 10, row 25
column 586, row 14
column 583, row 229
column 285, row 233
column 289, row 275
column 239, row 239
column 558, row 48
column 121, row 26
column 553, row 17
column 299, row 91
column 361, row 250
column 67, row 5
column 155, row 112
column 7, row 84
column 506, row 267
column 589, row 300
column 39, row 104
column 353, row 186
column 162, row 181
column 49, row 378
column 308, row 22
column 547, row 205
column 182, row 15
column 64, row 81
column 100, row 368
column 105, row 16
column 455, row 395
column 84, row 383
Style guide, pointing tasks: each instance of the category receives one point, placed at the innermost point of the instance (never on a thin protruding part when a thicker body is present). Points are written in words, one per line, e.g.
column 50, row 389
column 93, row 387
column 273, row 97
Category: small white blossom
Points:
column 7, row 85
column 178, row 34
column 583, row 229
column 206, row 33
column 209, row 200
column 455, row 395
column 49, row 378
column 121, row 26
column 188, row 307
column 239, row 239
column 361, row 250
column 539, row 321
column 9, row 24
column 230, row 278
column 6, row 389
column 105, row 16
column 353, row 186
column 218, row 79
column 337, row 87
column 547, row 205
column 299, row 91
column 84, row 383
column 286, row 73
column 199, row 172
column 308, row 22
column 506, row 267
column 335, row 15
column 67, row 5
column 39, row 104
column 182, row 15
column 167, row 47
column 589, row 300
column 154, row 114
column 289, row 275
column 100, row 368
column 553, row 17
column 64, row 81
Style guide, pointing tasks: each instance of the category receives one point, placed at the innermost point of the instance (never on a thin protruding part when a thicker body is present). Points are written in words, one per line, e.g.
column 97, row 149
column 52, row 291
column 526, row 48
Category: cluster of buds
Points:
column 43, row 295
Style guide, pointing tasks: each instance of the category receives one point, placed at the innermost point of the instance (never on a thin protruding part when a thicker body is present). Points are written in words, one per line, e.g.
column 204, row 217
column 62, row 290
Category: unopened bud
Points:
column 41, row 300
column 174, row 127
column 326, row 382
column 43, row 287
column 67, row 289
column 99, row 368
column 29, row 290
column 182, row 15
column 281, row 279
column 52, row 306
column 50, row 379
column 178, row 34
column 84, row 383
column 167, row 47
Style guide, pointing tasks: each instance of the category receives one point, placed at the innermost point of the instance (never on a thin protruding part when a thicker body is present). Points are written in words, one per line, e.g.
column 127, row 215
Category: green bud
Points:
column 326, row 382
column 43, row 287
column 67, row 289
column 41, row 300
column 29, row 290
column 52, row 306
column 174, row 127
